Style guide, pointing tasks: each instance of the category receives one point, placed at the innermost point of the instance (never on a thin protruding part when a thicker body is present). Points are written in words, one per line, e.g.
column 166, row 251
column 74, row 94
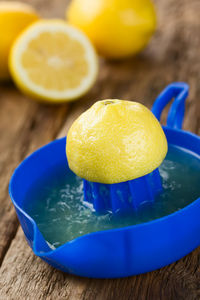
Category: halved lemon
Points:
column 53, row 61
column 115, row 141
column 14, row 17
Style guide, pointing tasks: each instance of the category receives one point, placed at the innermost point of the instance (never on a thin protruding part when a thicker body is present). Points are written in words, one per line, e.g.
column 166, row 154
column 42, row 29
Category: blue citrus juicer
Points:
column 137, row 248
column 123, row 196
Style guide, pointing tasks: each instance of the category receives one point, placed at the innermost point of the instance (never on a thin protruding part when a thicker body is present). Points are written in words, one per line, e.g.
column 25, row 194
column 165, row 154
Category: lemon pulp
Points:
column 57, row 64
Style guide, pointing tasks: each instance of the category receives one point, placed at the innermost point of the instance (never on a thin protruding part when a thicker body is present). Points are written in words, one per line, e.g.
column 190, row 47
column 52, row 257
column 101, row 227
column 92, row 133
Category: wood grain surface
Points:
column 25, row 125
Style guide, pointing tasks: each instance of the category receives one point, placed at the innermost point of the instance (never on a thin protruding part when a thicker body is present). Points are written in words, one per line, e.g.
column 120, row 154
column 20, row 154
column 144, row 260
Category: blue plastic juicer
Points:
column 137, row 248
column 123, row 196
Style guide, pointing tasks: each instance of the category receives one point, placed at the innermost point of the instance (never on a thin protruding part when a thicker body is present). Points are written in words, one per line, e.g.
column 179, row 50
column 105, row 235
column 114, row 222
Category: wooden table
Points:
column 25, row 125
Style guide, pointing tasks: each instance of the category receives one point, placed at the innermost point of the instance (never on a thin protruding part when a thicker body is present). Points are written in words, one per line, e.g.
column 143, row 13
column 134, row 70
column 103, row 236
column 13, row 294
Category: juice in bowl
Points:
column 126, row 184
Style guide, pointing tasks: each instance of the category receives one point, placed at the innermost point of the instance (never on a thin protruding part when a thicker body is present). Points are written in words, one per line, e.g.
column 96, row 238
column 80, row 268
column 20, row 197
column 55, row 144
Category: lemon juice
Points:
column 56, row 201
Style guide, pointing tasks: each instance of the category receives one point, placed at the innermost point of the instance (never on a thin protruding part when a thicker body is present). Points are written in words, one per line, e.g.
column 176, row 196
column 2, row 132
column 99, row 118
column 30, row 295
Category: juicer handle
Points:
column 178, row 91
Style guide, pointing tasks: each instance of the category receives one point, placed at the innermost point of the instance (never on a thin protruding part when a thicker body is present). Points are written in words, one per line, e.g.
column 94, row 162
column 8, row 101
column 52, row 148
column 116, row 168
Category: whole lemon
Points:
column 118, row 28
column 115, row 141
column 14, row 17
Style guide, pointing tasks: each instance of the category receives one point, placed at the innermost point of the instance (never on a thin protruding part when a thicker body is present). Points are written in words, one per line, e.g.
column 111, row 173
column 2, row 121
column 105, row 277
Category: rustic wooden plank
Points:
column 173, row 55
column 24, row 126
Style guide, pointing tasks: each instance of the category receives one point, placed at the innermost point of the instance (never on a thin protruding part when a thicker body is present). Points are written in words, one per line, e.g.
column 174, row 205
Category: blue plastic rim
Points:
column 138, row 248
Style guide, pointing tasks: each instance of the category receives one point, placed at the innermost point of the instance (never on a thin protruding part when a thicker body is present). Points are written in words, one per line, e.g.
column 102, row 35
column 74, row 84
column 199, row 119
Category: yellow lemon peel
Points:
column 14, row 18
column 115, row 141
column 117, row 28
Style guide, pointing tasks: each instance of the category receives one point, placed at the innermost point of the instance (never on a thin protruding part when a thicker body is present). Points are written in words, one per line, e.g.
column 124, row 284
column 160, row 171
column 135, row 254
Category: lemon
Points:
column 53, row 61
column 14, row 17
column 115, row 141
column 118, row 28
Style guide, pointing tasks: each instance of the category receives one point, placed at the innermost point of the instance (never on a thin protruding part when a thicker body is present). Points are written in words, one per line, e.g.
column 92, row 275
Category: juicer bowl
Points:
column 118, row 252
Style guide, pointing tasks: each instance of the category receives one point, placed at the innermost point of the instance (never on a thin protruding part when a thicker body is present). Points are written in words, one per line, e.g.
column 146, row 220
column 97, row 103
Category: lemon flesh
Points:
column 117, row 28
column 14, row 18
column 115, row 141
column 53, row 61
